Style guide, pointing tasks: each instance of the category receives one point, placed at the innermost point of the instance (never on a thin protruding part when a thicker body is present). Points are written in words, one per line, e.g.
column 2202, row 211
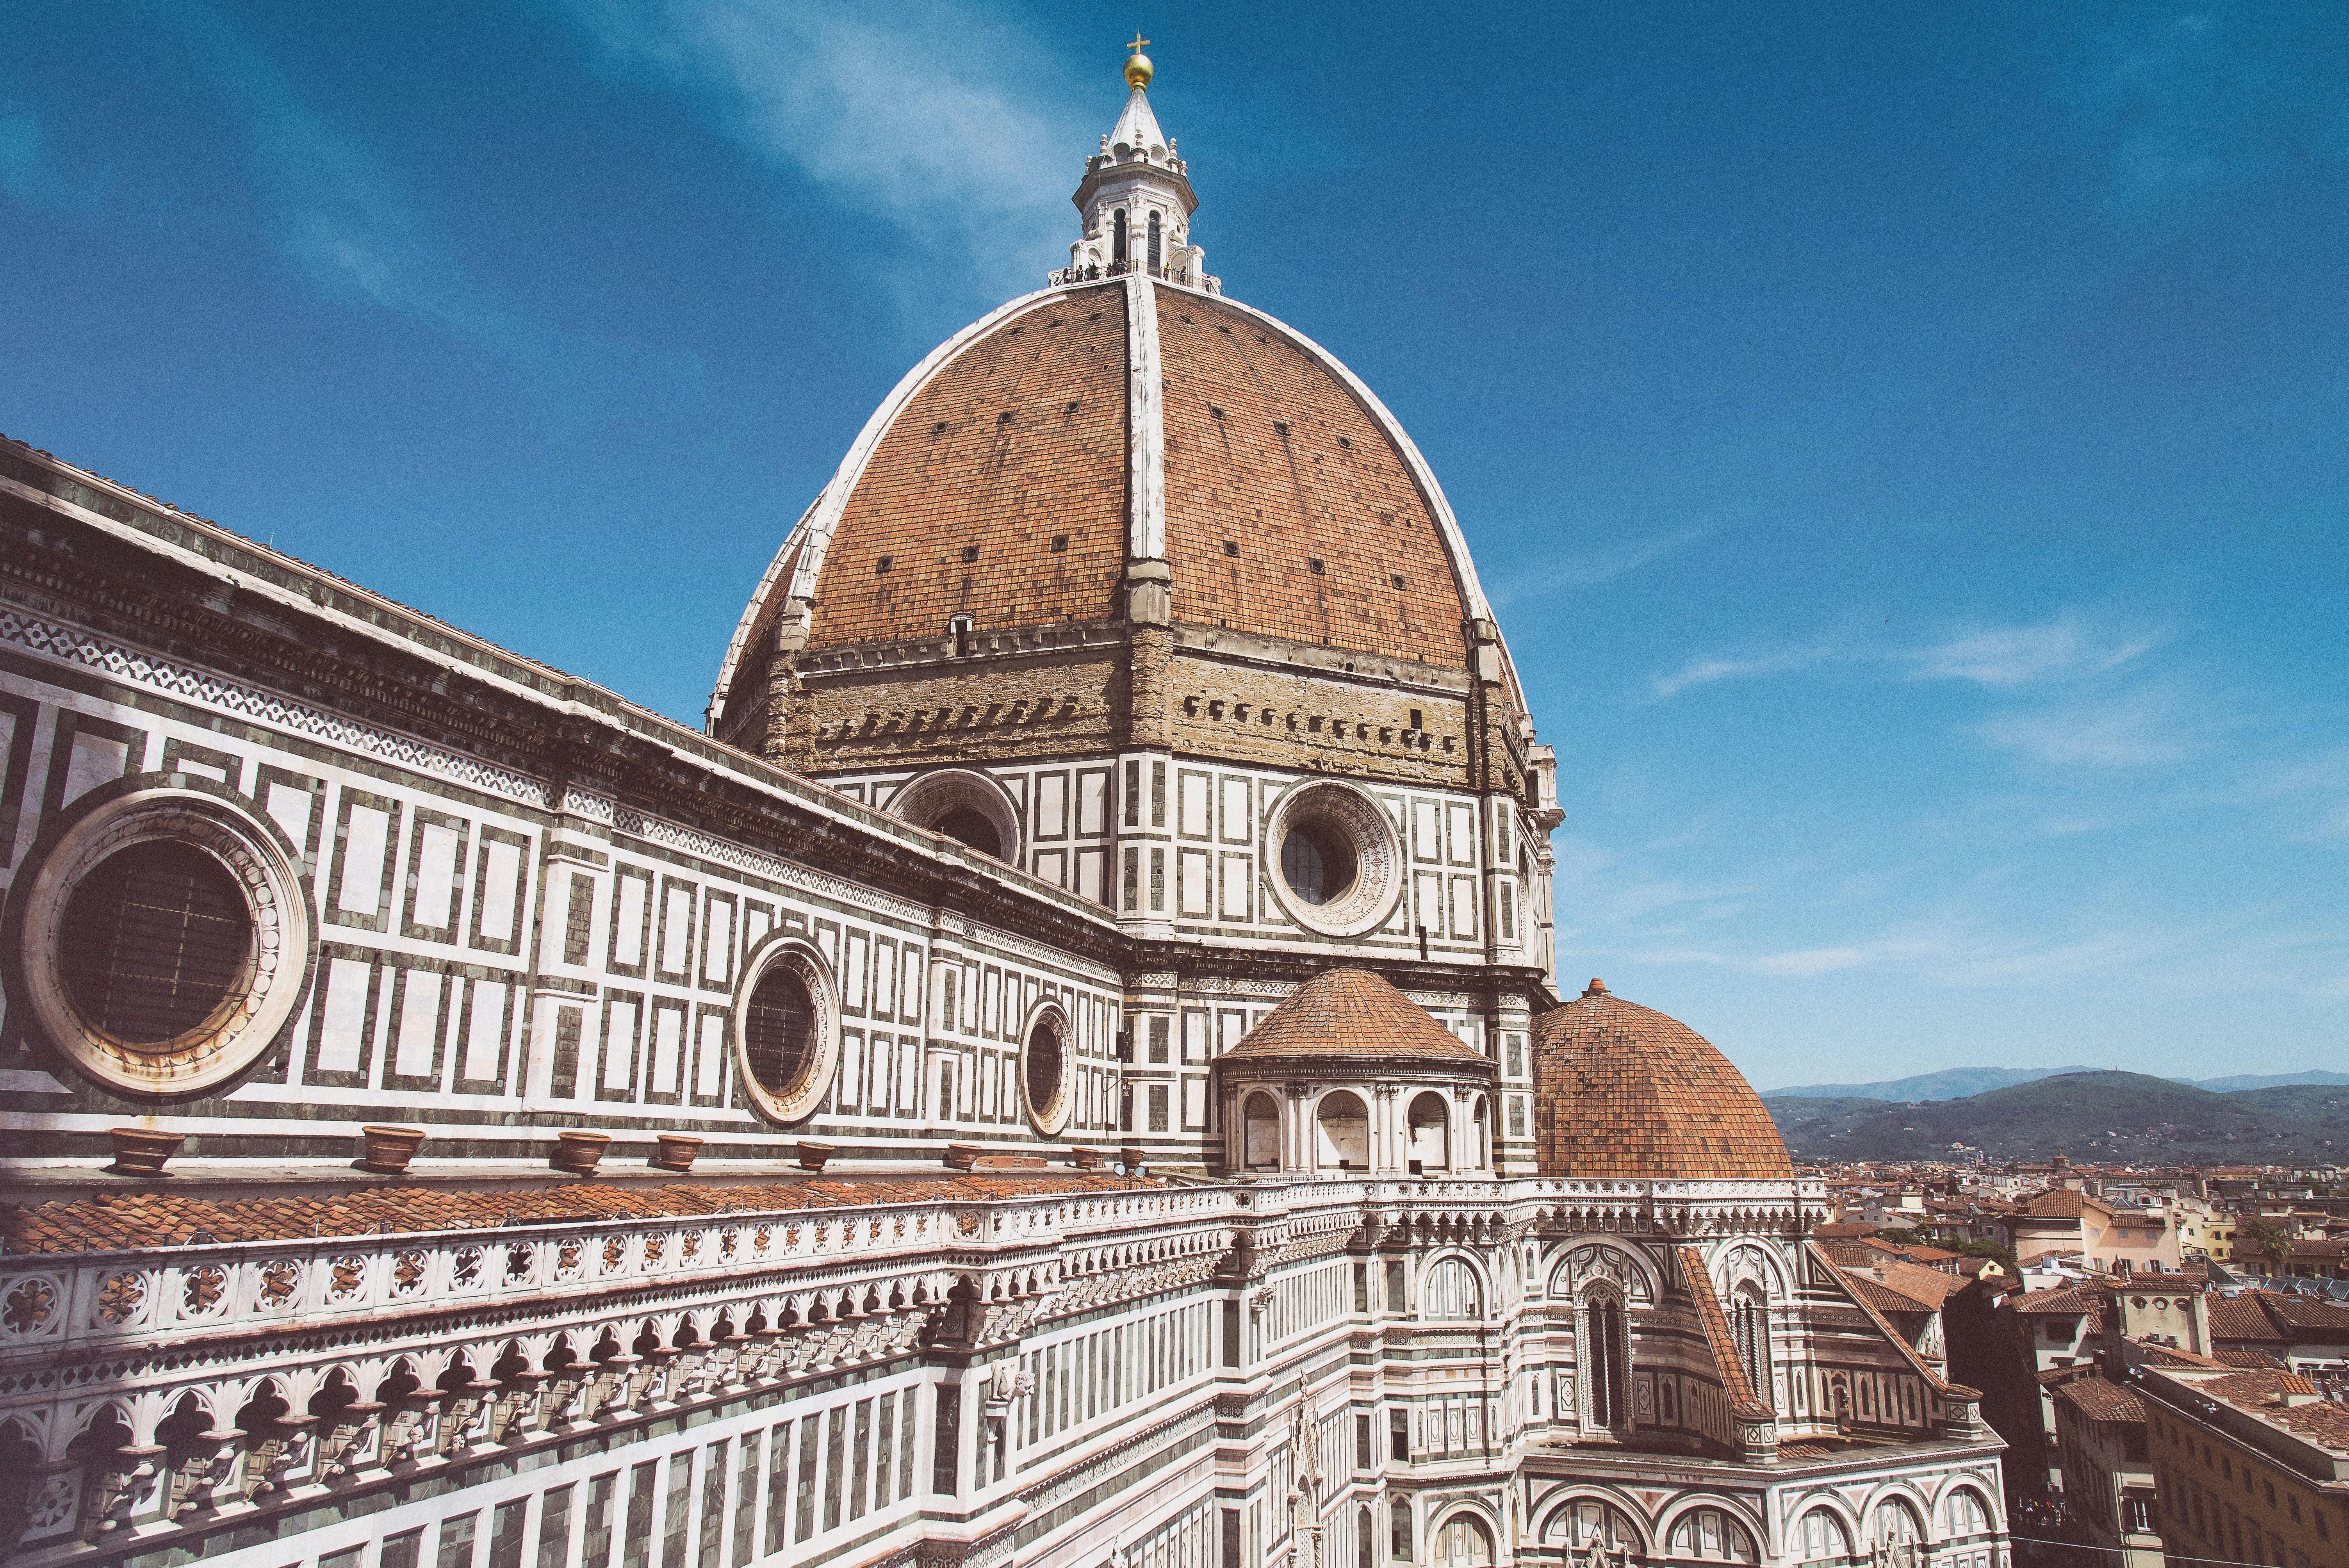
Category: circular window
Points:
column 162, row 938
column 1318, row 863
column 157, row 945
column 1044, row 1068
column 1341, row 862
column 786, row 1030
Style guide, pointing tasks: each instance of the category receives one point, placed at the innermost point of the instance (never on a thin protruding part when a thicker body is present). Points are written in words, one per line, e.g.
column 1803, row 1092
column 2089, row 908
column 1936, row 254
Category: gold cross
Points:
column 1138, row 41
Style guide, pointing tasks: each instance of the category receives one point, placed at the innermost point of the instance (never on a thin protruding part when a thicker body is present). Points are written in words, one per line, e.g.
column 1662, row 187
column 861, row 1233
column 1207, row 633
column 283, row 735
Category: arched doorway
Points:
column 1429, row 1133
column 1461, row 1541
column 1341, row 1133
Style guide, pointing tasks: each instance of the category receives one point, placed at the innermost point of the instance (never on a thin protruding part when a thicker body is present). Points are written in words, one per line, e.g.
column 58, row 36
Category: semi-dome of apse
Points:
column 1623, row 1091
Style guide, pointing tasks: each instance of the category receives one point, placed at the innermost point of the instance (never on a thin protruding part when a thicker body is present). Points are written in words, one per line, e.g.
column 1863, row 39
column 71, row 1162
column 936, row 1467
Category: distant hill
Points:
column 2268, row 1080
column 1957, row 1083
column 1949, row 1083
column 2094, row 1117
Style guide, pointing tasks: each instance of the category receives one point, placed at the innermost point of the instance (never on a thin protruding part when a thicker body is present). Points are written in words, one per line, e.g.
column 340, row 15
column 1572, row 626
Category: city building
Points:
column 2109, row 1481
column 2251, row 1466
column 1067, row 1070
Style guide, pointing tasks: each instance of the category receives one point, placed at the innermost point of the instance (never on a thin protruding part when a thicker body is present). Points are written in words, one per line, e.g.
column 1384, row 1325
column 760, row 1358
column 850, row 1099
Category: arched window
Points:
column 1431, row 1134
column 1399, row 1530
column 1750, row 1324
column 1898, row 1533
column 1606, row 1372
column 1341, row 1133
column 1153, row 241
column 1480, row 1138
column 1710, row 1535
column 1117, row 236
column 1463, row 1542
column 1821, row 1539
column 1260, row 1142
column 1450, row 1290
column 1968, row 1516
column 1365, row 1534
column 1592, row 1525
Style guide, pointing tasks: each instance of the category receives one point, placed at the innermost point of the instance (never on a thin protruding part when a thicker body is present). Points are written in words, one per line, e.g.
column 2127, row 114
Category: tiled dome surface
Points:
column 1290, row 511
column 1353, row 1014
column 1624, row 1090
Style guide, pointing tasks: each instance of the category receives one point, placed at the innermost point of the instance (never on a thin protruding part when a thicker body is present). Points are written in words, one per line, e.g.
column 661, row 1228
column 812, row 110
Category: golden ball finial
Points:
column 1137, row 64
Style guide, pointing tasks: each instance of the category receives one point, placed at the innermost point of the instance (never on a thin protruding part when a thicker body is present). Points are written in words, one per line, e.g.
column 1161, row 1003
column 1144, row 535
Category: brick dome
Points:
column 1624, row 1090
column 1020, row 473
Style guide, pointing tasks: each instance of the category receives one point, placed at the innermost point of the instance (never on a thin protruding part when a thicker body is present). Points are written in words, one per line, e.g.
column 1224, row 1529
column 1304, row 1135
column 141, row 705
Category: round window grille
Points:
column 157, row 945
column 1340, row 859
column 1044, row 1068
column 787, row 1030
column 163, row 938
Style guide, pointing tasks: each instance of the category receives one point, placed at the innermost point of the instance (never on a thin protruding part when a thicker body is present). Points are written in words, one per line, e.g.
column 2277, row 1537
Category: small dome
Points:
column 1624, row 1090
column 1355, row 1015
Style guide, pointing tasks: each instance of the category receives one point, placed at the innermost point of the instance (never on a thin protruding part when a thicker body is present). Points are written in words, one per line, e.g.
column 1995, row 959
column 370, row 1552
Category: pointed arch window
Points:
column 1117, row 235
column 1153, row 243
column 1750, row 1325
column 1606, row 1372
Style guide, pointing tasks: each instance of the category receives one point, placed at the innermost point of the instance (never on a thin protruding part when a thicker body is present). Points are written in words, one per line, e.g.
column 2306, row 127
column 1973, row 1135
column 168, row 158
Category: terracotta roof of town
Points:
column 2243, row 1317
column 2101, row 1399
column 1354, row 1014
column 2056, row 1204
column 2306, row 1311
column 1625, row 1090
column 2068, row 1299
column 1843, row 1229
column 1928, row 1287
column 143, row 1217
column 2262, row 1394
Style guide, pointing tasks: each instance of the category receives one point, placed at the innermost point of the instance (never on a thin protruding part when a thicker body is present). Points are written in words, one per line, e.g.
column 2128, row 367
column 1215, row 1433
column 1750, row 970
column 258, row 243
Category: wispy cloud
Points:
column 2183, row 102
column 2136, row 728
column 2063, row 649
column 1774, row 661
column 947, row 120
column 1599, row 566
column 2068, row 646
column 358, row 232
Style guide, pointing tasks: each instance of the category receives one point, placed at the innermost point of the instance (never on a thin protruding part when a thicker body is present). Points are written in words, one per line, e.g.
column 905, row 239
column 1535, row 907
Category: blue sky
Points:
column 1908, row 445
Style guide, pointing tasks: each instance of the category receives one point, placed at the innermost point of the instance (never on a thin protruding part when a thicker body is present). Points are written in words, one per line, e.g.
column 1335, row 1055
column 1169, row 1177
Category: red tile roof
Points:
column 1624, row 1090
column 1354, row 1014
column 138, row 1218
column 2243, row 1317
column 2100, row 1399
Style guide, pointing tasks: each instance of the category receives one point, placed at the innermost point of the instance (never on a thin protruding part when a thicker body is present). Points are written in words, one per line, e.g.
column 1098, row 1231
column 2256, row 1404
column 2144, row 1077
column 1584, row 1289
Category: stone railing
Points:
column 53, row 1302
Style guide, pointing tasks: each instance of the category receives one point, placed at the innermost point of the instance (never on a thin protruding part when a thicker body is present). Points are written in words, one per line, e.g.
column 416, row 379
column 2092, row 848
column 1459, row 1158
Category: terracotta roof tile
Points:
column 129, row 1219
column 1624, row 1090
column 2243, row 1317
column 1268, row 448
column 2100, row 1399
column 1019, row 438
column 1735, row 1385
column 1355, row 1014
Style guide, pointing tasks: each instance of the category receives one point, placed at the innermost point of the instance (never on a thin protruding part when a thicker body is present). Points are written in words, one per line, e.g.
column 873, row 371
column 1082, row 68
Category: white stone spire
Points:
column 1136, row 201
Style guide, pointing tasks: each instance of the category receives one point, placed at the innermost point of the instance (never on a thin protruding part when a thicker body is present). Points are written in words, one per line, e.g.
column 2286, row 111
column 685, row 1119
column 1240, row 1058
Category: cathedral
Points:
column 1066, row 1067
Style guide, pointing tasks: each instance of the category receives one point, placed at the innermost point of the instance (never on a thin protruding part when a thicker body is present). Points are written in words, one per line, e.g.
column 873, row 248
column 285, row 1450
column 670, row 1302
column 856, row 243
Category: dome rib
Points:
column 1623, row 1091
